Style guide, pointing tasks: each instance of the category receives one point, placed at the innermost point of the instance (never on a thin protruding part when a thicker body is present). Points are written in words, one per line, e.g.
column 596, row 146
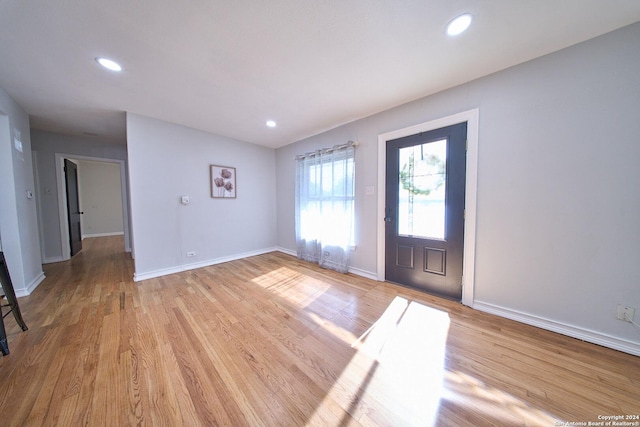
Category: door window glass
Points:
column 422, row 187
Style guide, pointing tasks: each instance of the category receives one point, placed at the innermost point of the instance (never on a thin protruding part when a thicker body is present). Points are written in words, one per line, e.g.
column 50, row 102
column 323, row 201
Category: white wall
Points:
column 167, row 161
column 18, row 213
column 45, row 145
column 558, row 238
column 100, row 198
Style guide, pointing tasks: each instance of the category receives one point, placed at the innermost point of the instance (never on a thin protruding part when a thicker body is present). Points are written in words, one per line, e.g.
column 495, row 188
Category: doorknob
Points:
column 387, row 213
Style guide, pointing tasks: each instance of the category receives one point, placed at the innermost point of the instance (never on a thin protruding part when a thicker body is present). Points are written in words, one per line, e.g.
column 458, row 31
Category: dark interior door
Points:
column 73, row 206
column 424, row 218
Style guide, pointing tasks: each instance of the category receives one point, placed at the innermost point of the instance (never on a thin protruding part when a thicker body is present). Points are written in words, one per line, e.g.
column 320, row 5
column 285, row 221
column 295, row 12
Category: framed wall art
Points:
column 223, row 182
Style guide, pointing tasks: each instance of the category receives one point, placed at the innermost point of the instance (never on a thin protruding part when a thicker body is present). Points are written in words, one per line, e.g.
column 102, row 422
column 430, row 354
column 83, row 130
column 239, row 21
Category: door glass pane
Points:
column 421, row 193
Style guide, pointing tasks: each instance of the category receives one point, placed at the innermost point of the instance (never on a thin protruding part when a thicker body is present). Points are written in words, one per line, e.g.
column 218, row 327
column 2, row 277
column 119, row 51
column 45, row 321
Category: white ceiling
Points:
column 226, row 67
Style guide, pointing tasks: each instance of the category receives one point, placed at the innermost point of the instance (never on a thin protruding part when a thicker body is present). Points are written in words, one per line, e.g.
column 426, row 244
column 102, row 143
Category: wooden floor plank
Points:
column 272, row 340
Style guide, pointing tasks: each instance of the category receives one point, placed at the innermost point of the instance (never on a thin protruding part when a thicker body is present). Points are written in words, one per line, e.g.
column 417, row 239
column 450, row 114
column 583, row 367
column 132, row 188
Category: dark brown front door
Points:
column 424, row 218
column 73, row 206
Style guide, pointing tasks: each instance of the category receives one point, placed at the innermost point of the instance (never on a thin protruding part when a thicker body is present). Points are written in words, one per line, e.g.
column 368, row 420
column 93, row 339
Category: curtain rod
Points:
column 326, row 150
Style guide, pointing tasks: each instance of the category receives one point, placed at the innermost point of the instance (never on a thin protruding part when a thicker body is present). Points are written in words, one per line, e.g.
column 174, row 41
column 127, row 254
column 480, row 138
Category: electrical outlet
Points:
column 625, row 313
column 191, row 253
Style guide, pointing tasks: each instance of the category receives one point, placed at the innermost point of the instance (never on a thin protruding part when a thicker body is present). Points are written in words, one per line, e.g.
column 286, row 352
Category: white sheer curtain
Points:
column 325, row 206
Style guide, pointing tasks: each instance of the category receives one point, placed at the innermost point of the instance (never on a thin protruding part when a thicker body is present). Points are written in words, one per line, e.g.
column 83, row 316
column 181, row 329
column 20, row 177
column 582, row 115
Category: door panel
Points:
column 73, row 206
column 424, row 218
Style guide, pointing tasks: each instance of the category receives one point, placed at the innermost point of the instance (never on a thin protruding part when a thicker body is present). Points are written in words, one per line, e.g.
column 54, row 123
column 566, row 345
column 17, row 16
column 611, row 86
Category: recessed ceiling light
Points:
column 109, row 64
column 271, row 123
column 459, row 25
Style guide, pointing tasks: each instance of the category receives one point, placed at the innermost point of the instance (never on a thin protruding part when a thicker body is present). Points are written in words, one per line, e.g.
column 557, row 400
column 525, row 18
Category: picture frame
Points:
column 223, row 182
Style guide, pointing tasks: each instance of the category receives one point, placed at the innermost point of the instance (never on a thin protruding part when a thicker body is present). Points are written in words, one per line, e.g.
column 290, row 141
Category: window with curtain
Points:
column 325, row 206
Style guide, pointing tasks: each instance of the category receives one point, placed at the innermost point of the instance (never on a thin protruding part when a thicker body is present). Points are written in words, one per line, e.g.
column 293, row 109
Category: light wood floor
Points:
column 273, row 341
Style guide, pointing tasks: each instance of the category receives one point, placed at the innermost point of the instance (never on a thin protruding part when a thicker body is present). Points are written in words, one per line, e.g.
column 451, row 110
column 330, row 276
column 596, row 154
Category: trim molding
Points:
column 553, row 326
column 53, row 259
column 286, row 251
column 363, row 273
column 137, row 277
column 115, row 233
column 353, row 270
column 62, row 199
column 31, row 286
column 472, row 117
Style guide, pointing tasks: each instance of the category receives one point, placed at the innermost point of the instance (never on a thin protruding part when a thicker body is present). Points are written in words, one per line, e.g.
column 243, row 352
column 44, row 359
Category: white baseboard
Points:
column 353, row 270
column 363, row 273
column 115, row 233
column 31, row 286
column 286, row 251
column 51, row 260
column 180, row 268
column 551, row 325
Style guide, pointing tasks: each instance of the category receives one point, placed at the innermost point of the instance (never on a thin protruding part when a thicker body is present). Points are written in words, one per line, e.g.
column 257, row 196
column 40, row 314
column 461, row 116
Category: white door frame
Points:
column 62, row 200
column 471, row 190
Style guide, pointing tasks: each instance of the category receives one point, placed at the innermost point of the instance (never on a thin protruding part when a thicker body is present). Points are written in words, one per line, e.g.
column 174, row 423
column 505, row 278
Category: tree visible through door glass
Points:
column 422, row 188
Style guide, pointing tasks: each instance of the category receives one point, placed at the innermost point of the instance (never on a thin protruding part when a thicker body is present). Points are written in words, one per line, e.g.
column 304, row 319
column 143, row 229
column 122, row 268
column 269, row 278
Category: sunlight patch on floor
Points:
column 292, row 286
column 409, row 342
column 466, row 390
column 398, row 375
column 398, row 364
column 332, row 328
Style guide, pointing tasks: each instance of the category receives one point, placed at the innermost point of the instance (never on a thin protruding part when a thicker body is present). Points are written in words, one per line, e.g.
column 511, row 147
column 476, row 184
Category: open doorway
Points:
column 101, row 212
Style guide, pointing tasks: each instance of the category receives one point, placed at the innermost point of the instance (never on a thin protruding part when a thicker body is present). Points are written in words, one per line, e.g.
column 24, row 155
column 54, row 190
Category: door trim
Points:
column 69, row 163
column 472, row 119
column 62, row 199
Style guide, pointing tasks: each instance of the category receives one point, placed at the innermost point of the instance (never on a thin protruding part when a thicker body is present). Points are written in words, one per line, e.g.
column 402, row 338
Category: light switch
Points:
column 185, row 200
column 369, row 190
